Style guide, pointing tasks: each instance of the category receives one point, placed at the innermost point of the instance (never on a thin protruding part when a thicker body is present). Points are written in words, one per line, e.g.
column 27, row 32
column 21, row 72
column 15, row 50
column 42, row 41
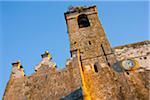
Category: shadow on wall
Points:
column 75, row 95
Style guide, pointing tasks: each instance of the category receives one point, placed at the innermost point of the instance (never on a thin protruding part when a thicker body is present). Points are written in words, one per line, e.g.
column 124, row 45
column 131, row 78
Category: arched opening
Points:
column 83, row 21
column 95, row 68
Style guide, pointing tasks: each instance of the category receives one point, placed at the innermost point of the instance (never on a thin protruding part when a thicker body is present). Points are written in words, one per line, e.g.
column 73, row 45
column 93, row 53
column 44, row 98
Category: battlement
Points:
column 46, row 62
column 58, row 83
column 139, row 51
column 17, row 70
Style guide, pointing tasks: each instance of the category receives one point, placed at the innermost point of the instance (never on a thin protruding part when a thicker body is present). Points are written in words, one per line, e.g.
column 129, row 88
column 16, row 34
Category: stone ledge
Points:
column 134, row 45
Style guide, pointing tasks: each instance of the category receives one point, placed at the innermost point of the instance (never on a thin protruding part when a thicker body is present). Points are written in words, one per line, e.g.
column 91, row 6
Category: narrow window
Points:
column 83, row 21
column 89, row 42
column 95, row 68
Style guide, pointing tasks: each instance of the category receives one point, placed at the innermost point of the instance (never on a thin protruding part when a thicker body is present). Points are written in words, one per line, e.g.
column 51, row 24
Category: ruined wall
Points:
column 45, row 84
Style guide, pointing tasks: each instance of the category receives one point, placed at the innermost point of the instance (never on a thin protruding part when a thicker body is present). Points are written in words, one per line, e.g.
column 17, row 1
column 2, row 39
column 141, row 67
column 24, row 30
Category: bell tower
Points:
column 87, row 35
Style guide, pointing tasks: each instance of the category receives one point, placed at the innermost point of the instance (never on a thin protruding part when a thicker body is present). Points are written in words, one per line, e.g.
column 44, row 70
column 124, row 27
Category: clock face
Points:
column 128, row 64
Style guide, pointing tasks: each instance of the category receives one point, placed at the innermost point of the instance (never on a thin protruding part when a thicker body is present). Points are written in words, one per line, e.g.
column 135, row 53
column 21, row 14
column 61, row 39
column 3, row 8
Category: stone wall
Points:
column 138, row 51
column 45, row 84
column 106, row 83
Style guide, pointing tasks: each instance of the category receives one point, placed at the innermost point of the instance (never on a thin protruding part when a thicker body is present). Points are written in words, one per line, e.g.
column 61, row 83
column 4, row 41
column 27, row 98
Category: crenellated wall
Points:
column 50, row 83
column 46, row 84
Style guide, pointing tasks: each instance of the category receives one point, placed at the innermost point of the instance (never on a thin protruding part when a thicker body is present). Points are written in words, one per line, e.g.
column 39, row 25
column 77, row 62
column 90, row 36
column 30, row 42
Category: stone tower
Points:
column 87, row 35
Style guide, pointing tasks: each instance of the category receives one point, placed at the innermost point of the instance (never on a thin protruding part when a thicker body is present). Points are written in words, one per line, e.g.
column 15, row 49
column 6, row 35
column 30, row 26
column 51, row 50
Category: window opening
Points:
column 89, row 42
column 95, row 68
column 83, row 21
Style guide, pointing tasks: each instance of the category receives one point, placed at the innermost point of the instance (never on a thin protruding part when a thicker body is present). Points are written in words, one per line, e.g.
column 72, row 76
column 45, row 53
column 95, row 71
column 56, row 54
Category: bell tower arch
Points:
column 87, row 35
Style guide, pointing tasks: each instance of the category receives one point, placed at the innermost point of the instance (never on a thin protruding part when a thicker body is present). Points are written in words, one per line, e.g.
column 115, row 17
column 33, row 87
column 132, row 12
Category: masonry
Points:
column 95, row 70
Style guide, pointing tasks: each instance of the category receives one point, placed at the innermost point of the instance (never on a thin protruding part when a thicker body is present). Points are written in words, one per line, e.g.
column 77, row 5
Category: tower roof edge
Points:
column 74, row 9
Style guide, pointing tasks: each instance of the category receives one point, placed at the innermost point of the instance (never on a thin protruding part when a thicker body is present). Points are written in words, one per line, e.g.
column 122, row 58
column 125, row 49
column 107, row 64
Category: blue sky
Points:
column 27, row 29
